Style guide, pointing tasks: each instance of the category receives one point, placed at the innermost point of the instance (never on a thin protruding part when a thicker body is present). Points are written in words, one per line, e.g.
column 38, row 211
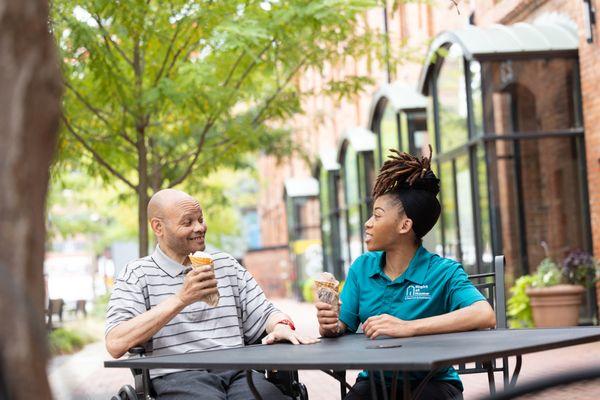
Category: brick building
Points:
column 506, row 93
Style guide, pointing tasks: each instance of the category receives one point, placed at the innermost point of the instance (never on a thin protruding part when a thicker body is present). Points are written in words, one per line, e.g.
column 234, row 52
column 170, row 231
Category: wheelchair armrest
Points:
column 139, row 350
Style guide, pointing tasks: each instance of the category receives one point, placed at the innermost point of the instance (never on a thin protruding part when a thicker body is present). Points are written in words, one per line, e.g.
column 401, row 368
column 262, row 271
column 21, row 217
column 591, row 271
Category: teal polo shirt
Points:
column 430, row 286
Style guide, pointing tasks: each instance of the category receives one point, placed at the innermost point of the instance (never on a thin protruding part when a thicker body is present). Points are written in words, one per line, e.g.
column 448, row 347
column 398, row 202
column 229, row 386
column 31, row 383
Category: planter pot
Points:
column 555, row 306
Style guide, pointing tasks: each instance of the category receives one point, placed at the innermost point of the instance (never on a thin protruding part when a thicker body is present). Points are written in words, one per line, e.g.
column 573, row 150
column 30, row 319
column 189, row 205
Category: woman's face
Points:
column 387, row 224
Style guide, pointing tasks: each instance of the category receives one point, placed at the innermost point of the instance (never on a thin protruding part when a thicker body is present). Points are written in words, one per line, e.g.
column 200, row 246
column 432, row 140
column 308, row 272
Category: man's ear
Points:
column 157, row 226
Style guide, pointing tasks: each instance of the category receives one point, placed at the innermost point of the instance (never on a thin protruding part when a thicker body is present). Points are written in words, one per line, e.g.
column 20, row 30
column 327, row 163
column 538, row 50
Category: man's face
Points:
column 184, row 227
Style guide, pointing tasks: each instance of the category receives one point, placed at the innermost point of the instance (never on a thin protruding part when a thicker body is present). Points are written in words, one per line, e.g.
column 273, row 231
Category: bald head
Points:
column 177, row 221
column 165, row 200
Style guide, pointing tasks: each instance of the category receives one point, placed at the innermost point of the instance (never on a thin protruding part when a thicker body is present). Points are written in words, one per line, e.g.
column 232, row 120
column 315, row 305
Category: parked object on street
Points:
column 55, row 307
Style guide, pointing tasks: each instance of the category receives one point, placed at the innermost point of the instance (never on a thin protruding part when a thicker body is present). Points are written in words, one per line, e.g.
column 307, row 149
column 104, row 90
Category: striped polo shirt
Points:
column 240, row 317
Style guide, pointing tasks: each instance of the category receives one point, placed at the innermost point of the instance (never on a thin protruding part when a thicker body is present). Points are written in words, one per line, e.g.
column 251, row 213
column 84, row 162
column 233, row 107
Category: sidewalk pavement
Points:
column 82, row 377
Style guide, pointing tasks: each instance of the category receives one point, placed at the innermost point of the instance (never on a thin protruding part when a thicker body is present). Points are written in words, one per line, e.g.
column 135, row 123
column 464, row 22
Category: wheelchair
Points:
column 286, row 381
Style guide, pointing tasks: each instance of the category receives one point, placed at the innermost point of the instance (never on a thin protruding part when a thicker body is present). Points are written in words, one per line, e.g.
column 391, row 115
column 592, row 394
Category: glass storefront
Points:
column 509, row 149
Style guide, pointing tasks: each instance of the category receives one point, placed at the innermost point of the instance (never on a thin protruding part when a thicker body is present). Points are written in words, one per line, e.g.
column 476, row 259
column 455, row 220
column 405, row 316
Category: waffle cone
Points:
column 200, row 260
column 327, row 292
column 330, row 285
column 213, row 299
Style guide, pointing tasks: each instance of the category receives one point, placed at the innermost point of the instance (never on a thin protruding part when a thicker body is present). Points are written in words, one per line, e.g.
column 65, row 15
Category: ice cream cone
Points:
column 199, row 259
column 327, row 289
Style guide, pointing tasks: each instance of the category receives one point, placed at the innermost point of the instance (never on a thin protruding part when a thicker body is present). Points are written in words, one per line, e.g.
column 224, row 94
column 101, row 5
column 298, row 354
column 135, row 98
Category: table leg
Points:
column 419, row 389
column 373, row 386
column 491, row 380
column 383, row 386
column 513, row 380
column 406, row 395
column 255, row 393
column 394, row 385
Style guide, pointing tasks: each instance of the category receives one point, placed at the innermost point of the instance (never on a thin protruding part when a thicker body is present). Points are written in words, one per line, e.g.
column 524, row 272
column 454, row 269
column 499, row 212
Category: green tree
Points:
column 80, row 205
column 160, row 92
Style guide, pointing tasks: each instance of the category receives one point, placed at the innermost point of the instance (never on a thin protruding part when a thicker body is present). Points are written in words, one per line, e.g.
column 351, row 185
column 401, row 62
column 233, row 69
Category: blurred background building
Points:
column 506, row 93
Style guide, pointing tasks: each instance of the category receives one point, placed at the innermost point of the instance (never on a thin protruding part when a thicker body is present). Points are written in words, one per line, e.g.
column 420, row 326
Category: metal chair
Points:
column 491, row 285
column 55, row 306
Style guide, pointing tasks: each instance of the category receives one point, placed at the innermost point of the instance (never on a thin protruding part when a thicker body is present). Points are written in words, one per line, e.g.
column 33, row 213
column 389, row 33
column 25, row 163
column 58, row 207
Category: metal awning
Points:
column 548, row 36
column 359, row 138
column 401, row 96
column 328, row 159
column 301, row 187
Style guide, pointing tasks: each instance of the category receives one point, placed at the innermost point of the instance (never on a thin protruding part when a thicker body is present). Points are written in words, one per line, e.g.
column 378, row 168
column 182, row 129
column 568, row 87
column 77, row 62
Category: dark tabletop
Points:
column 359, row 352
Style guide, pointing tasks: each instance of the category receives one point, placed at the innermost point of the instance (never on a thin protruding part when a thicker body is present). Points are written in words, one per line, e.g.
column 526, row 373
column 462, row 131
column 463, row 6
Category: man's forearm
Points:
column 140, row 329
column 480, row 315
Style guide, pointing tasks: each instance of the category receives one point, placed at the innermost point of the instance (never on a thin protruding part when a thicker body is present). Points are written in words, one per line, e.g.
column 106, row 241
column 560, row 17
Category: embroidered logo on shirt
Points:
column 417, row 292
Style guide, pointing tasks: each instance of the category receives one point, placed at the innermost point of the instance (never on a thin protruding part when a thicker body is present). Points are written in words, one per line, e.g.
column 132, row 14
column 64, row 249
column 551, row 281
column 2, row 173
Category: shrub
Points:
column 67, row 341
column 307, row 290
column 579, row 268
column 518, row 307
column 100, row 306
column 548, row 274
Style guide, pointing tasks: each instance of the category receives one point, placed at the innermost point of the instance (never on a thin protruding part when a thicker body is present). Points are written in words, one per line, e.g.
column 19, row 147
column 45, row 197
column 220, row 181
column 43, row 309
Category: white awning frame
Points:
column 301, row 187
column 359, row 138
column 549, row 36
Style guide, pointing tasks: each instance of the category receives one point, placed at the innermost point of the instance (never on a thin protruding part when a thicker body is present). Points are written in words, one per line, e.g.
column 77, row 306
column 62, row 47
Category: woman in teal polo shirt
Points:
column 398, row 288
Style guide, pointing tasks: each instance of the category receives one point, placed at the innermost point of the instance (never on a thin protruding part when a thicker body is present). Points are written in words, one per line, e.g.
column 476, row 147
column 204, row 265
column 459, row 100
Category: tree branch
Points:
column 235, row 65
column 97, row 156
column 178, row 52
column 252, row 65
column 97, row 112
column 107, row 38
column 198, row 150
column 258, row 118
column 164, row 63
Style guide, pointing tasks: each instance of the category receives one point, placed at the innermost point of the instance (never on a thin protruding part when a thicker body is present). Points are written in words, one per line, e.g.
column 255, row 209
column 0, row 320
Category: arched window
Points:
column 399, row 120
column 327, row 173
column 508, row 142
column 301, row 197
column 354, row 190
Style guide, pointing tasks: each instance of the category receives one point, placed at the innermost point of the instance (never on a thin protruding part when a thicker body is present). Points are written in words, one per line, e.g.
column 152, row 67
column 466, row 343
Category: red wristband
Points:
column 288, row 323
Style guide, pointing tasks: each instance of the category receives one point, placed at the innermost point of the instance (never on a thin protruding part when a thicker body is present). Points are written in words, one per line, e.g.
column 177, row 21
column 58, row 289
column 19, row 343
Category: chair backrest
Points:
column 491, row 285
column 55, row 306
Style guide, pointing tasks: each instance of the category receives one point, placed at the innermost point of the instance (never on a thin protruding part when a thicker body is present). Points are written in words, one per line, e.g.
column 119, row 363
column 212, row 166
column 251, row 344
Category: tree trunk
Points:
column 143, row 220
column 29, row 115
column 142, row 193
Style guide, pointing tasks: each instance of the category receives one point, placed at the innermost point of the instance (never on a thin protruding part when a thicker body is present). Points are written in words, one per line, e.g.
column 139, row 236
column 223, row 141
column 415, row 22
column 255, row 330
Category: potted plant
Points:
column 556, row 294
column 583, row 268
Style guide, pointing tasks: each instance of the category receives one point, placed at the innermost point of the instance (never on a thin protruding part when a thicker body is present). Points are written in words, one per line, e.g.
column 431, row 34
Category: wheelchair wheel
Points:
column 127, row 392
column 302, row 391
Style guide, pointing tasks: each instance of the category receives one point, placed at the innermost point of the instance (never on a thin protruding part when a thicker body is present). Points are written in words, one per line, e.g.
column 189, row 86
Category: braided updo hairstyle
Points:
column 411, row 184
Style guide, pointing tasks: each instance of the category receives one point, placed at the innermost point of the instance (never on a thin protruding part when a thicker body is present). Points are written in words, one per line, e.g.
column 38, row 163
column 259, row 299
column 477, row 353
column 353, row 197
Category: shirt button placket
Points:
column 387, row 298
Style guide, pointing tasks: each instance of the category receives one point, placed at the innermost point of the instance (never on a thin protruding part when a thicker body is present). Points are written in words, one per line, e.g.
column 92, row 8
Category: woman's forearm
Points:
column 479, row 315
column 341, row 328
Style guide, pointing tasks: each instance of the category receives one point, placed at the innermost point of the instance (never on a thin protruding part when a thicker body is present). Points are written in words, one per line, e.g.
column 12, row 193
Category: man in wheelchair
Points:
column 159, row 302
